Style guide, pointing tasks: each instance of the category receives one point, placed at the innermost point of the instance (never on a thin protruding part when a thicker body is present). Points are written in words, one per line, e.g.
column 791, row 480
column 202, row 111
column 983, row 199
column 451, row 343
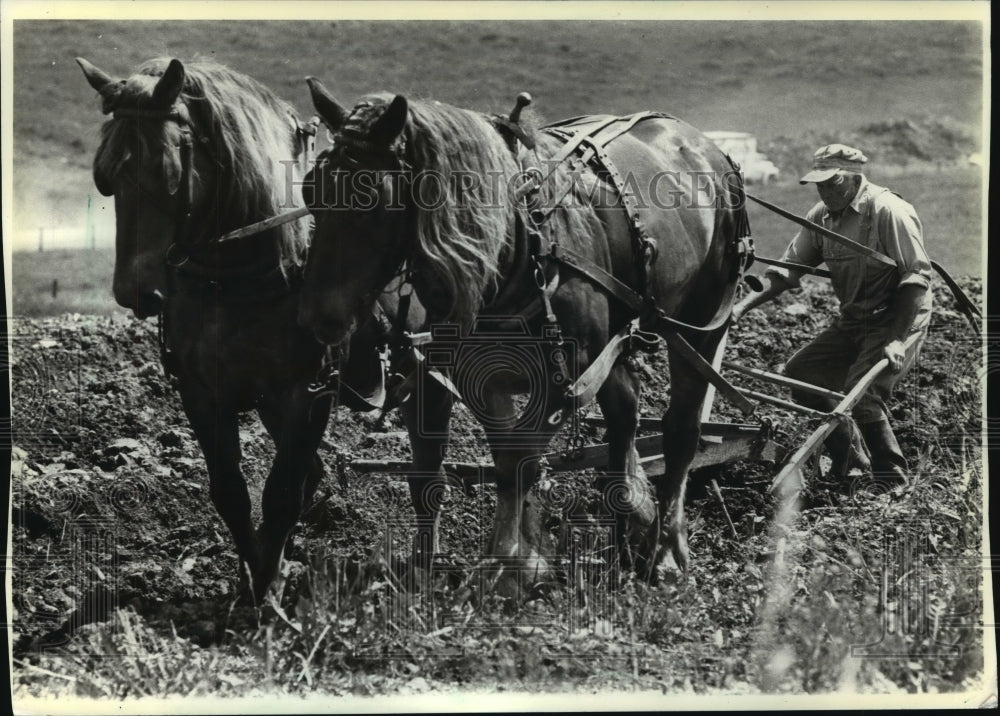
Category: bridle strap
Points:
column 394, row 153
column 173, row 113
column 178, row 253
column 183, row 231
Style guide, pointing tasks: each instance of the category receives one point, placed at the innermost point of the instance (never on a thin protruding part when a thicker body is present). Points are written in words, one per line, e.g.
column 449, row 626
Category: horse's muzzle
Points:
column 146, row 304
column 331, row 333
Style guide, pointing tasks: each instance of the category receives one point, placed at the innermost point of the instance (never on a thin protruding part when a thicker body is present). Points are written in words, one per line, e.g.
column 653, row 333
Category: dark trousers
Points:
column 840, row 356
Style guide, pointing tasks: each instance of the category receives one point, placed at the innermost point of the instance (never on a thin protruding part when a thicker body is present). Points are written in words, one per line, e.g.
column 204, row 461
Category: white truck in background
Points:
column 742, row 147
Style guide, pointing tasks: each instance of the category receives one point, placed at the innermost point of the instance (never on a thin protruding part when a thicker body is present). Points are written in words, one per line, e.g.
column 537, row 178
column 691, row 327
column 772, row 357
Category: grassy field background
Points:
column 779, row 81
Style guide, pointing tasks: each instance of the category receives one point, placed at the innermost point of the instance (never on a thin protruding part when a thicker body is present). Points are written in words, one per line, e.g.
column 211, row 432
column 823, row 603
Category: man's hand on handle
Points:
column 896, row 354
column 907, row 305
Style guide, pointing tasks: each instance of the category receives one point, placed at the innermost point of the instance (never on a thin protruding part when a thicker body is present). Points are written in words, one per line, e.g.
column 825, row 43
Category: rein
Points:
column 180, row 249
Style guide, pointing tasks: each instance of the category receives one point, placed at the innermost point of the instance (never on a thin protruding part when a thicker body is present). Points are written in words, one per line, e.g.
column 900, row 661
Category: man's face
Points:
column 839, row 190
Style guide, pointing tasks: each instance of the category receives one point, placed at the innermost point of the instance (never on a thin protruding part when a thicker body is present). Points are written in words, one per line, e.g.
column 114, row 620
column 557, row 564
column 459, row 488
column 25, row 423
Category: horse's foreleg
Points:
column 217, row 432
column 626, row 492
column 270, row 416
column 681, row 430
column 303, row 422
column 427, row 415
column 516, row 445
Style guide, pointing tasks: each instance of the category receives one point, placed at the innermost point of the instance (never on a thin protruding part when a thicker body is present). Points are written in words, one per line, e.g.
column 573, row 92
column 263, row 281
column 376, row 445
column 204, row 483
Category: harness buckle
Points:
column 535, row 240
column 177, row 256
column 539, row 275
column 645, row 341
column 533, row 179
column 326, row 379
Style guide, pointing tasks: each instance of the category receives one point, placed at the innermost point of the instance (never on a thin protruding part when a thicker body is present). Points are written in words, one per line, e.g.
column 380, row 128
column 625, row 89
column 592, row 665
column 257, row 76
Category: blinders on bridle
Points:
column 179, row 179
column 350, row 151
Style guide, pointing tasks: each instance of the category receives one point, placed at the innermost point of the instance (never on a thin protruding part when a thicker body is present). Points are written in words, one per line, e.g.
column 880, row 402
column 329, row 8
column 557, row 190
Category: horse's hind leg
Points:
column 681, row 431
column 627, row 494
column 427, row 415
column 303, row 423
column 217, row 432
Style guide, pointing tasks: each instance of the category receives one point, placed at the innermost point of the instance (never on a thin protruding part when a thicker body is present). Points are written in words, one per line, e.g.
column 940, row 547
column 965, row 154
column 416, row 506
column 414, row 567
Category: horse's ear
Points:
column 98, row 78
column 391, row 123
column 168, row 89
column 105, row 84
column 332, row 112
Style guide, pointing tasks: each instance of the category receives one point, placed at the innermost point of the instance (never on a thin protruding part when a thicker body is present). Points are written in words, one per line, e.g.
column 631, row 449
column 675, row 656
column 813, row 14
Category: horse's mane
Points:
column 465, row 235
column 250, row 132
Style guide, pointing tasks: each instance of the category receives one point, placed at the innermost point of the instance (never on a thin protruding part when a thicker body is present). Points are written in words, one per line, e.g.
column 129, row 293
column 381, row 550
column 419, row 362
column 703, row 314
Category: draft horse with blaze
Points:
column 465, row 247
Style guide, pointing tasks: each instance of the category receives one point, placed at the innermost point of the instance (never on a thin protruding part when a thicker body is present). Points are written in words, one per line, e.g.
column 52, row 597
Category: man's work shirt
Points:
column 880, row 220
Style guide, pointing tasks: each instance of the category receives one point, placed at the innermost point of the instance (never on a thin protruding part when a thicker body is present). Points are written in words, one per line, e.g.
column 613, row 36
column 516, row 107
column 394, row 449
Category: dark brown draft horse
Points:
column 425, row 189
column 190, row 153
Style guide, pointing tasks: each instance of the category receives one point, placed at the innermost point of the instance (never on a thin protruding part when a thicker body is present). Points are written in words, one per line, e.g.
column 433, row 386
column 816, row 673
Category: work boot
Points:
column 847, row 452
column 889, row 467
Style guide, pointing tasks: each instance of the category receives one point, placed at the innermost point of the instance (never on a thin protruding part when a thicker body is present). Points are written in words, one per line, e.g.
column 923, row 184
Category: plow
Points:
column 720, row 444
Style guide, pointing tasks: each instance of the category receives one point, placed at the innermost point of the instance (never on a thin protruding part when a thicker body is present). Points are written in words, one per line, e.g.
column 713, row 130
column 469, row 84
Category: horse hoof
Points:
column 668, row 573
column 516, row 578
column 680, row 556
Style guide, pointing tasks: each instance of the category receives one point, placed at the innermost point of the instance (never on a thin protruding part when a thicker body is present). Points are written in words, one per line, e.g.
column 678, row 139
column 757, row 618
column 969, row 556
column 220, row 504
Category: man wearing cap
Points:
column 880, row 305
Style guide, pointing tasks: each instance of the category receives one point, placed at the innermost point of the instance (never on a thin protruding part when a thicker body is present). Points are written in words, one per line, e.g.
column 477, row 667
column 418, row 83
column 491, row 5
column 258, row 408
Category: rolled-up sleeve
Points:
column 804, row 249
column 902, row 237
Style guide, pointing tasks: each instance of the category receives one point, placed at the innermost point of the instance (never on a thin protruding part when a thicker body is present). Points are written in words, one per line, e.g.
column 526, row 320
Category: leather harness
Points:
column 590, row 136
